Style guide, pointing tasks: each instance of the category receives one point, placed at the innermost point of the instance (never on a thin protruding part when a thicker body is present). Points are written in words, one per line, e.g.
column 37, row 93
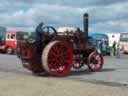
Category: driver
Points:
column 38, row 37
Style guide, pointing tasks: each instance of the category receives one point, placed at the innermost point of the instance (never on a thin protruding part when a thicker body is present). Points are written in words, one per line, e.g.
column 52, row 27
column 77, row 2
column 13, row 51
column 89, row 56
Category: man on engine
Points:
column 38, row 37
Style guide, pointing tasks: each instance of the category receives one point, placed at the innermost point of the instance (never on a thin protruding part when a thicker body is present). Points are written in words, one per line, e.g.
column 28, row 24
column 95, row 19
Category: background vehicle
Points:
column 61, row 51
column 2, row 37
column 100, row 41
column 124, row 42
column 113, row 37
column 11, row 39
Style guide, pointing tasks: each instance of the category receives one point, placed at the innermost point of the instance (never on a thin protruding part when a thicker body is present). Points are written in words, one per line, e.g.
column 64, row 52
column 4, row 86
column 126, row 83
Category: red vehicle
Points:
column 12, row 38
column 61, row 52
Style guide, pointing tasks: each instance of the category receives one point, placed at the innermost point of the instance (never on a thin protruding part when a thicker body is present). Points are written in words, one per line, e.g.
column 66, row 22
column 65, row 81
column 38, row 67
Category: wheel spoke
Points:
column 98, row 65
column 95, row 67
column 56, row 50
column 52, row 54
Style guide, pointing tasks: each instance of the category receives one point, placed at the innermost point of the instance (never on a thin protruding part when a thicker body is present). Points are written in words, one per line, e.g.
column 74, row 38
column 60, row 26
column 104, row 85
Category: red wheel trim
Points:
column 59, row 59
column 96, row 65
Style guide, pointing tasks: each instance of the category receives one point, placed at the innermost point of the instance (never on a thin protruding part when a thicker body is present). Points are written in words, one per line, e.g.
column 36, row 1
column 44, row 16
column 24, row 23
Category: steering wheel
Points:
column 49, row 30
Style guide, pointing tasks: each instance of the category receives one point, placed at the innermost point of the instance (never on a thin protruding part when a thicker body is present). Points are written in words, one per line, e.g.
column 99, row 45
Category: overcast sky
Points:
column 105, row 15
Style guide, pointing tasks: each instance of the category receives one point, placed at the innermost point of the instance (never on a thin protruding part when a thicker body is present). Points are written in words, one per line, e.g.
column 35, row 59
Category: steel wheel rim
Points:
column 96, row 61
column 59, row 59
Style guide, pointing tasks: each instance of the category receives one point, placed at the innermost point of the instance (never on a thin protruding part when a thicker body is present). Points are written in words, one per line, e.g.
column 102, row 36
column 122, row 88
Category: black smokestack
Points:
column 85, row 25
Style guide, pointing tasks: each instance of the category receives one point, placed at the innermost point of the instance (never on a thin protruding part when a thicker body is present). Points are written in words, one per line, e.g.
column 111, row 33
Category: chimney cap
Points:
column 85, row 14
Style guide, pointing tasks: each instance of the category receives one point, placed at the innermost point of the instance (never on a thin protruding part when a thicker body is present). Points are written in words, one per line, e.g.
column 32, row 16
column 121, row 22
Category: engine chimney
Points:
column 85, row 21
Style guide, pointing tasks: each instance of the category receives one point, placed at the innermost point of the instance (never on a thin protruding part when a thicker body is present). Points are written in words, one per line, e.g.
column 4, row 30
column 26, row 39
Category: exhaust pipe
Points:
column 85, row 21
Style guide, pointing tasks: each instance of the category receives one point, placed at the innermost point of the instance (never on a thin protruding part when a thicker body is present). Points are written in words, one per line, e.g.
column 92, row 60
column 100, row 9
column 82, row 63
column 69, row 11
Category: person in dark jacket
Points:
column 114, row 48
column 0, row 39
column 38, row 37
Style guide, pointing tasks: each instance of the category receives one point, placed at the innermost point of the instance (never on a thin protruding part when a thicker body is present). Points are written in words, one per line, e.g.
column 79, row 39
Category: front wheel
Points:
column 95, row 61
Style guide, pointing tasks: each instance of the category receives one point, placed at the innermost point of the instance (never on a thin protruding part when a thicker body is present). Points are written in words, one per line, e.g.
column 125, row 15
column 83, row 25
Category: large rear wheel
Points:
column 57, row 58
column 95, row 61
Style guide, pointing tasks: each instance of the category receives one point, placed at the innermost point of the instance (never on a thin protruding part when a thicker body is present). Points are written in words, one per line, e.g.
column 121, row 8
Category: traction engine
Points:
column 61, row 52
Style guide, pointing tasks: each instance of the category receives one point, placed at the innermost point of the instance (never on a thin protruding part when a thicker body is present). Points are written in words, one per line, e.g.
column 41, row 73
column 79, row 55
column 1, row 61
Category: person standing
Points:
column 114, row 48
column 38, row 38
column 118, row 53
column 99, row 44
column 104, row 47
column 0, row 39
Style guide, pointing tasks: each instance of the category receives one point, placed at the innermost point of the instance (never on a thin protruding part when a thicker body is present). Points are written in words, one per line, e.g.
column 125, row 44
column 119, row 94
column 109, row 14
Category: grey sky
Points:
column 105, row 15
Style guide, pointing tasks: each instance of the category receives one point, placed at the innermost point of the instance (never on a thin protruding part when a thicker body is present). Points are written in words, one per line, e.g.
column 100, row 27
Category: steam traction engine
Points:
column 61, row 52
